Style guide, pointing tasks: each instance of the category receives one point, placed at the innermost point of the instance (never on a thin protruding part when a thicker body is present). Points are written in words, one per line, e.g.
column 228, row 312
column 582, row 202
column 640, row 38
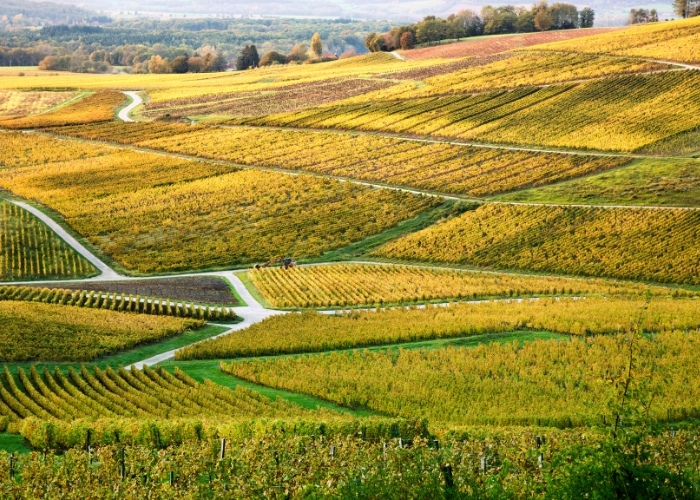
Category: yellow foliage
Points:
column 369, row 284
column 629, row 243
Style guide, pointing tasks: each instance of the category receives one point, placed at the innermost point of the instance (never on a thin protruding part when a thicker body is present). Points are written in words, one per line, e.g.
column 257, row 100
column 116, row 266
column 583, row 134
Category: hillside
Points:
column 462, row 271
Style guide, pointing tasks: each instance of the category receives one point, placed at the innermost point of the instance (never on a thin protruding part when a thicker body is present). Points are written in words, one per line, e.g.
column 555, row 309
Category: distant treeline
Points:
column 491, row 21
column 133, row 45
column 19, row 14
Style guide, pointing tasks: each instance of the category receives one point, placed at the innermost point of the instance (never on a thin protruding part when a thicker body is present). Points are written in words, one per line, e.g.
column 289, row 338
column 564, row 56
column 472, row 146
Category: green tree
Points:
column 586, row 17
column 316, row 45
column 179, row 65
column 525, row 22
column 248, row 59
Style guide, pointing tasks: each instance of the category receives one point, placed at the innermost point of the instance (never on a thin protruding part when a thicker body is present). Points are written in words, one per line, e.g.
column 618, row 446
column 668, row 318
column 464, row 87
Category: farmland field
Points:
column 465, row 270
column 14, row 104
column 314, row 332
column 50, row 332
column 446, row 168
column 678, row 42
column 493, row 45
column 638, row 244
column 598, row 115
column 356, row 284
column 29, row 250
column 155, row 214
column 546, row 382
column 662, row 182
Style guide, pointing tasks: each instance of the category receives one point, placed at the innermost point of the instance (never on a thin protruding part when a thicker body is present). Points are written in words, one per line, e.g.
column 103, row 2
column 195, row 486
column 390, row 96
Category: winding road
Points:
column 136, row 100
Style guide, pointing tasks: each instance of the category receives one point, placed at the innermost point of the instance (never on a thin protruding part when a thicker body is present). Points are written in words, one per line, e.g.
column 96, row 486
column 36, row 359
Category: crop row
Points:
column 630, row 112
column 636, row 244
column 545, row 382
column 675, row 41
column 533, row 68
column 439, row 167
column 340, row 285
column 156, row 214
column 146, row 393
column 116, row 302
column 488, row 464
column 30, row 250
column 314, row 332
column 33, row 331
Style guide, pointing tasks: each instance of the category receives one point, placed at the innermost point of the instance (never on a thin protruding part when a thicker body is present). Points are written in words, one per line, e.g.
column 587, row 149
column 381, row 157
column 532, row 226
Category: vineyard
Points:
column 548, row 383
column 341, row 285
column 637, row 244
column 517, row 71
column 48, row 332
column 20, row 151
column 29, row 250
column 13, row 104
column 138, row 394
column 678, row 41
column 630, row 112
column 504, row 463
column 497, row 44
column 648, row 182
column 156, row 214
column 98, row 107
column 115, row 302
column 436, row 167
column 314, row 332
column 282, row 100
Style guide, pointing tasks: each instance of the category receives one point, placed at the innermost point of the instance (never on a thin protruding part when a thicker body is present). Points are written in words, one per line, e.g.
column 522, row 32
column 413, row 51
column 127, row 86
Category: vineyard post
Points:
column 12, row 465
column 436, row 444
column 483, row 465
column 539, row 461
column 332, row 451
column 447, row 475
column 171, row 478
column 538, row 442
column 384, row 450
column 122, row 465
column 222, row 451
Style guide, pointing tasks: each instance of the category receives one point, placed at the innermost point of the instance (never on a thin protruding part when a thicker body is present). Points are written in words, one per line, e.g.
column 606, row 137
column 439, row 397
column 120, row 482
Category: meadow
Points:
column 29, row 250
column 158, row 214
column 34, row 331
column 315, row 332
column 549, row 383
column 341, row 285
column 627, row 243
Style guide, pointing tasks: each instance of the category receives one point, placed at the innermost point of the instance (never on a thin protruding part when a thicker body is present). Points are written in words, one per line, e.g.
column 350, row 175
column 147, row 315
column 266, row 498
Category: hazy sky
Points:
column 607, row 12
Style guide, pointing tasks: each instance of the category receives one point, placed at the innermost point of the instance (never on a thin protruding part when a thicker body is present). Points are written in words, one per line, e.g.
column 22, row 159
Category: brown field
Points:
column 442, row 69
column 495, row 44
column 202, row 289
column 282, row 100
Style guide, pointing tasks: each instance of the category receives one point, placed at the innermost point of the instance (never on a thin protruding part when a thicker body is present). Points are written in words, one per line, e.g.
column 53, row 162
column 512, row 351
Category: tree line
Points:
column 490, row 21
column 131, row 46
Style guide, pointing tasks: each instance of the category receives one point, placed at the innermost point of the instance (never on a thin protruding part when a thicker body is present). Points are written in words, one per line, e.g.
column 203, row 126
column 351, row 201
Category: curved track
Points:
column 136, row 100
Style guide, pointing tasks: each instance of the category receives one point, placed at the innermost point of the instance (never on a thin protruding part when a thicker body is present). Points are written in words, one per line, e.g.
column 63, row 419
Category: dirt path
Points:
column 106, row 272
column 135, row 101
